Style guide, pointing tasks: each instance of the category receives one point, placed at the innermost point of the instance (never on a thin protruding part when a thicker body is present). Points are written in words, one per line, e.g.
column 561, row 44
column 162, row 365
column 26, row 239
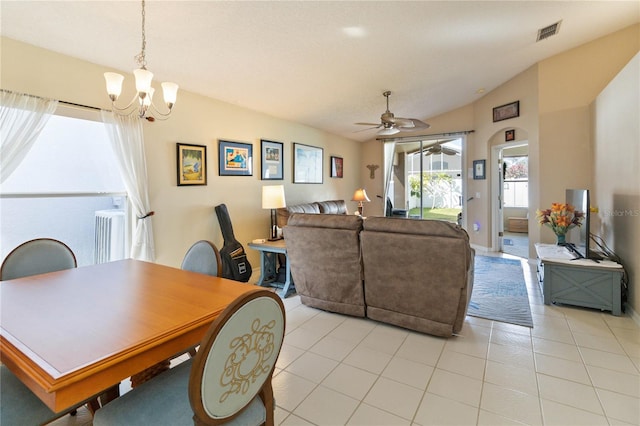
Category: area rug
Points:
column 499, row 291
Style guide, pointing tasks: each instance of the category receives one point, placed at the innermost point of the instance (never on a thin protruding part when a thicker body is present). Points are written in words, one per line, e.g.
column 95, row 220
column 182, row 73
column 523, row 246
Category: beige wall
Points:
column 568, row 84
column 554, row 120
column 616, row 183
column 186, row 214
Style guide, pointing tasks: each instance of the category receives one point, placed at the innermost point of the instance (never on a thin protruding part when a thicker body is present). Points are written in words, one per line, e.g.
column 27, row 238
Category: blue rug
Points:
column 499, row 291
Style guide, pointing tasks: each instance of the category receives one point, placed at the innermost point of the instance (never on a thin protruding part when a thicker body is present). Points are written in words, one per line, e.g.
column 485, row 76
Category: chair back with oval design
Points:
column 203, row 257
column 37, row 257
column 235, row 362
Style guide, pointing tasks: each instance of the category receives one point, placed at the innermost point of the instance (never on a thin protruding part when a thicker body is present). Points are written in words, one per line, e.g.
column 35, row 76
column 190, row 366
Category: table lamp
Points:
column 360, row 196
column 273, row 198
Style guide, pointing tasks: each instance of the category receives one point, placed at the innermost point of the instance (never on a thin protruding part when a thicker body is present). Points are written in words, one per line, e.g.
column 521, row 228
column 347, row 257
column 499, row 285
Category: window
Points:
column 516, row 181
column 69, row 174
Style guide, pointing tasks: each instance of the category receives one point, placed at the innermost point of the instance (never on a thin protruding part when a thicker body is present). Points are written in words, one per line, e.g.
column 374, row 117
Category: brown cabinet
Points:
column 518, row 224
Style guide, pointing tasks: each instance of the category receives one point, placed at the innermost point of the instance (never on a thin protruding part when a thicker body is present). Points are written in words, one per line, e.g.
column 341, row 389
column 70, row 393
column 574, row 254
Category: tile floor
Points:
column 575, row 367
column 519, row 244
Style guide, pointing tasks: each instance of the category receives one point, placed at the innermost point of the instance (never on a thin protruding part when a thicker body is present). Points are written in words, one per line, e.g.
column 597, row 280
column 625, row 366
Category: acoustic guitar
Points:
column 235, row 264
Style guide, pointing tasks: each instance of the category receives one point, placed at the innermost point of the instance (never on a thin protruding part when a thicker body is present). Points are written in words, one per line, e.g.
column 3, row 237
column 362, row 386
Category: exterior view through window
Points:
column 516, row 181
column 69, row 188
column 427, row 179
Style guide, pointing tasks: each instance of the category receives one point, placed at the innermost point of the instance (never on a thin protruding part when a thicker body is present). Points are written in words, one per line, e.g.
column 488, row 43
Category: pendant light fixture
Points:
column 144, row 107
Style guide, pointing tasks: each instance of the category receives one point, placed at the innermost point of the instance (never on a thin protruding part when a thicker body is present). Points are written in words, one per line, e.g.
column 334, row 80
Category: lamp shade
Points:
column 143, row 80
column 170, row 92
column 360, row 195
column 273, row 197
column 114, row 84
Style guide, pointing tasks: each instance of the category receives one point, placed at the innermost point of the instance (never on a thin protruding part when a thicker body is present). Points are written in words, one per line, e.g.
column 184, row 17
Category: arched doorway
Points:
column 511, row 211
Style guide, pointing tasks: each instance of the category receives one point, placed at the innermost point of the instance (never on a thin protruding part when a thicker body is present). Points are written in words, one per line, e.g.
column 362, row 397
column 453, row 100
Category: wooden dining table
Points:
column 70, row 335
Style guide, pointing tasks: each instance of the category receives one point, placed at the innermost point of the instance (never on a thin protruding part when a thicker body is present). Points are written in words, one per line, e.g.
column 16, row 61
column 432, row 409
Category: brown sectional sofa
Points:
column 416, row 274
column 318, row 207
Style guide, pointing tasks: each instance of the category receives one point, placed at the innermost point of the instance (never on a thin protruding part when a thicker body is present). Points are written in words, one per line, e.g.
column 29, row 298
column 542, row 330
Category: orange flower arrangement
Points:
column 560, row 218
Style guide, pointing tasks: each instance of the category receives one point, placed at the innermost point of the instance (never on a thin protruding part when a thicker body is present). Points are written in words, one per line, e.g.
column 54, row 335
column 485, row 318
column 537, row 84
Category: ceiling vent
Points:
column 546, row 32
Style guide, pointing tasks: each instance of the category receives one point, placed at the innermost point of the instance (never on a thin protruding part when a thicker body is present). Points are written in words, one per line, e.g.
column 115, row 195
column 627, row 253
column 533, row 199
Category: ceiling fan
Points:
column 437, row 149
column 390, row 124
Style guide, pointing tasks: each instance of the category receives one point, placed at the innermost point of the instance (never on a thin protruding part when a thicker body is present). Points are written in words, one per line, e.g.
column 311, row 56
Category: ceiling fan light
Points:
column 388, row 131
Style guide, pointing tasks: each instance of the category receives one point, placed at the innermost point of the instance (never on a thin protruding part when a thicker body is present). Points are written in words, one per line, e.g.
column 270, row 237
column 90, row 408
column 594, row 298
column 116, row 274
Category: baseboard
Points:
column 478, row 248
column 633, row 314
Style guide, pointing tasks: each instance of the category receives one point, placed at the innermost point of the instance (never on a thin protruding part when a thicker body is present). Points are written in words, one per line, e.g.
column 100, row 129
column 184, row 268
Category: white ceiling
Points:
column 296, row 60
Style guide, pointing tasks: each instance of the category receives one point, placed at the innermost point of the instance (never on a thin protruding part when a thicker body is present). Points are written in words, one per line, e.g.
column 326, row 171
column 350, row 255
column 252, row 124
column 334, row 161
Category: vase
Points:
column 561, row 239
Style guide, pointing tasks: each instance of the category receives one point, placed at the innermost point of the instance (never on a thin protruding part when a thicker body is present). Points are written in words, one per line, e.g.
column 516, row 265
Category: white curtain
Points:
column 127, row 140
column 389, row 151
column 22, row 118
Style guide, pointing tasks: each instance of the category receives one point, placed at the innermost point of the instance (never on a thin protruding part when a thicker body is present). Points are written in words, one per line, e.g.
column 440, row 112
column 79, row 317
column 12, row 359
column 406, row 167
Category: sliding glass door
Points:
column 425, row 179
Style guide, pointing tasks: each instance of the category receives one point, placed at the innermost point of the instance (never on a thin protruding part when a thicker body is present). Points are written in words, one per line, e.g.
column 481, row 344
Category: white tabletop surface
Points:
column 559, row 254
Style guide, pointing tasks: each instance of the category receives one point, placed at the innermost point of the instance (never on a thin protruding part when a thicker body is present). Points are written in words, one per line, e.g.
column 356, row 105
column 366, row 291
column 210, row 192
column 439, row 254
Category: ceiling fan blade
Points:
column 404, row 122
column 449, row 151
column 364, row 130
column 369, row 124
column 419, row 124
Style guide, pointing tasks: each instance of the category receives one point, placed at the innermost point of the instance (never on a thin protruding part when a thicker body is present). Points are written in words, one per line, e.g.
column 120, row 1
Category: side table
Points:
column 269, row 251
column 579, row 282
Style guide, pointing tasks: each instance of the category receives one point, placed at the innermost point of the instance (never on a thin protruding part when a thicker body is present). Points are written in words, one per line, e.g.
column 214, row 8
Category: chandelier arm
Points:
column 154, row 110
column 128, row 107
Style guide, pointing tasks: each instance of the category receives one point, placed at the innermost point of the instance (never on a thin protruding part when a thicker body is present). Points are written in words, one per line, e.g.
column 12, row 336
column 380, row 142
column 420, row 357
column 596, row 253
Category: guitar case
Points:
column 235, row 264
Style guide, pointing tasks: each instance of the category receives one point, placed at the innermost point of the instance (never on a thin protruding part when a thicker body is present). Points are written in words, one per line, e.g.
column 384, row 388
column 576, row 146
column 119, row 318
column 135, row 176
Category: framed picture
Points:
column 307, row 164
column 510, row 135
column 235, row 158
column 336, row 167
column 479, row 169
column 506, row 111
column 191, row 164
column 271, row 155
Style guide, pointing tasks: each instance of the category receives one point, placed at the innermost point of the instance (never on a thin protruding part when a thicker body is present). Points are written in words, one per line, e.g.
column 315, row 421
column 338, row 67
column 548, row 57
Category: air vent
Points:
column 546, row 32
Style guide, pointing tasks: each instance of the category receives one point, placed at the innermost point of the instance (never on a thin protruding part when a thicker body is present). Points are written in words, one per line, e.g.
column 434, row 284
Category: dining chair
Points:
column 203, row 257
column 18, row 405
column 37, row 257
column 229, row 380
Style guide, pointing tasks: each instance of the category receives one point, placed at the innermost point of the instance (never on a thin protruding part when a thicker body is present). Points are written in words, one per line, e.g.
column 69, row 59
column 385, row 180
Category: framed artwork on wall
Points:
column 235, row 158
column 191, row 164
column 307, row 163
column 479, row 169
column 506, row 111
column 510, row 135
column 336, row 167
column 271, row 160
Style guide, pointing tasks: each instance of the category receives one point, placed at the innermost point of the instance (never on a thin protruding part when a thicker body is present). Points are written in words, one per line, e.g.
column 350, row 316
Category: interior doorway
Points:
column 511, row 211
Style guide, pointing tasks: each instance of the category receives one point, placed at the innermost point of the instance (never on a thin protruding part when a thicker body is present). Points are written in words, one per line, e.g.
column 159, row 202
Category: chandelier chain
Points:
column 141, row 57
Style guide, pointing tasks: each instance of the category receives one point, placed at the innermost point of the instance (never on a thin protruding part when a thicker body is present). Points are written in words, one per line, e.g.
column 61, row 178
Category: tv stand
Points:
column 578, row 281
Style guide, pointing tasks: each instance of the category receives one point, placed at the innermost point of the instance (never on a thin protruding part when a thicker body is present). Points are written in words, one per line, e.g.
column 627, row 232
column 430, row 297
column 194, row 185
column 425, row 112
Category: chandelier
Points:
column 144, row 107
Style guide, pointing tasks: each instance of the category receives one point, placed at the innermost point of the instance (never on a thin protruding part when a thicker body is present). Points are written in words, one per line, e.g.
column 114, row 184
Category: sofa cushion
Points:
column 416, row 273
column 351, row 222
column 333, row 207
column 284, row 212
column 326, row 207
column 325, row 257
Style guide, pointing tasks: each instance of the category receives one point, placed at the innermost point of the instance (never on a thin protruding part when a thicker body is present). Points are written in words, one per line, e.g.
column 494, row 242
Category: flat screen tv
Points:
column 578, row 237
